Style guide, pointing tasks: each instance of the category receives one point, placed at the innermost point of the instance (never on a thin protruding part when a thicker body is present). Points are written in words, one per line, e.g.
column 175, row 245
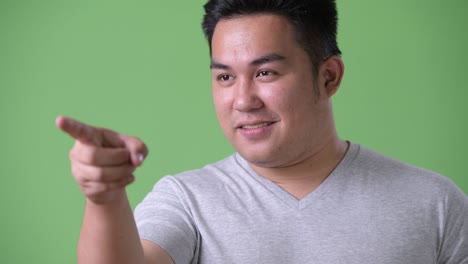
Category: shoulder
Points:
column 210, row 177
column 190, row 189
column 394, row 184
column 386, row 179
column 387, row 170
column 421, row 200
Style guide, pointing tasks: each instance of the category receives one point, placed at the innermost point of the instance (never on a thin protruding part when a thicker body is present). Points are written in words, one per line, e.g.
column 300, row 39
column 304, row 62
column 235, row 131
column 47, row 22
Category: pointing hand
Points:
column 102, row 160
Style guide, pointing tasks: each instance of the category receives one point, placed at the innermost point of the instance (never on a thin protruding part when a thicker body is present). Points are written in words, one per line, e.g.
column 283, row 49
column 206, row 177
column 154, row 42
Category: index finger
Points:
column 78, row 130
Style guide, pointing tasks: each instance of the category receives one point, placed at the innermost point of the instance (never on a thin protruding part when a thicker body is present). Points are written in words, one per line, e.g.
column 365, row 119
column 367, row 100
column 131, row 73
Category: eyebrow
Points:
column 267, row 59
column 259, row 61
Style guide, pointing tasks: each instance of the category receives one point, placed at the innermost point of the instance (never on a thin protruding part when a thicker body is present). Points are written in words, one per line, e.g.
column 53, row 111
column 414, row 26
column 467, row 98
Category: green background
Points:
column 141, row 67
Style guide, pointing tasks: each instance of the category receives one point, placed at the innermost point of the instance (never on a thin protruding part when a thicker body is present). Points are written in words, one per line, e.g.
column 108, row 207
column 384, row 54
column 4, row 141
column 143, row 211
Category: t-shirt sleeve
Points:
column 454, row 242
column 163, row 219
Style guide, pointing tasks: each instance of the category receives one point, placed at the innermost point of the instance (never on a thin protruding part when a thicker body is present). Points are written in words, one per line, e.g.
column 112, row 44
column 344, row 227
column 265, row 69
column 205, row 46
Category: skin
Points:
column 263, row 79
column 261, row 75
column 103, row 162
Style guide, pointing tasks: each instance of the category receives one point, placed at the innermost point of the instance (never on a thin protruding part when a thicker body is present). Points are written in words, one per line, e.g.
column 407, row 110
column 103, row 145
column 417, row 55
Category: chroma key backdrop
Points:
column 142, row 68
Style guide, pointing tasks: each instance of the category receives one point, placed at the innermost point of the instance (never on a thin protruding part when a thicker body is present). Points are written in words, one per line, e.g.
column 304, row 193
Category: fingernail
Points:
column 141, row 158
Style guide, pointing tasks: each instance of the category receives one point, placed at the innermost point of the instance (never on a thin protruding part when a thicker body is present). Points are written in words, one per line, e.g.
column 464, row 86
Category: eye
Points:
column 264, row 73
column 267, row 76
column 224, row 77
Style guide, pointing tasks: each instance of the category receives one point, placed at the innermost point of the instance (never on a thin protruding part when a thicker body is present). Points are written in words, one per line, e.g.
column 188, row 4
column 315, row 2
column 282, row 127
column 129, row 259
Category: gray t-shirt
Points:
column 371, row 209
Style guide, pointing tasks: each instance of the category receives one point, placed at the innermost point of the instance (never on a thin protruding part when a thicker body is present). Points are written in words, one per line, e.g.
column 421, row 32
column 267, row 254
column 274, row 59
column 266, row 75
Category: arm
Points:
column 109, row 235
column 103, row 162
column 454, row 230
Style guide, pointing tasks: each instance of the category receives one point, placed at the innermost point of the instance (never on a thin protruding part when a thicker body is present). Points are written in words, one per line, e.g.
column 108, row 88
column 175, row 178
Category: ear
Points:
column 331, row 73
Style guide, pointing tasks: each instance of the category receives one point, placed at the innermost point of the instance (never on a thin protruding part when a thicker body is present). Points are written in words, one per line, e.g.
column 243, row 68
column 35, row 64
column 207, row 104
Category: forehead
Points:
column 247, row 36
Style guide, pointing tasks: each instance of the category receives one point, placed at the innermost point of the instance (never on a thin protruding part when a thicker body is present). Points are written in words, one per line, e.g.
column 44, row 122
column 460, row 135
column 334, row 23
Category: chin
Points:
column 259, row 159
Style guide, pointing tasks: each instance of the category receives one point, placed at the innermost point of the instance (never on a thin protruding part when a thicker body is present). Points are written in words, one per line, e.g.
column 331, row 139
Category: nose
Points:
column 246, row 97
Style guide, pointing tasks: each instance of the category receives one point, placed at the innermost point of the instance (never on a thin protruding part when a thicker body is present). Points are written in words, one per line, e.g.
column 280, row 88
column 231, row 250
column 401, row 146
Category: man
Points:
column 294, row 192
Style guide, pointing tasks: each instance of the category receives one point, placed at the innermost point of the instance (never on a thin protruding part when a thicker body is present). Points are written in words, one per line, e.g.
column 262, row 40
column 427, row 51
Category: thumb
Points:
column 137, row 148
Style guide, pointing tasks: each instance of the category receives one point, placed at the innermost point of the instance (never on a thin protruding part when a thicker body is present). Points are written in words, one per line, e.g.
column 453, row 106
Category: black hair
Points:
column 314, row 21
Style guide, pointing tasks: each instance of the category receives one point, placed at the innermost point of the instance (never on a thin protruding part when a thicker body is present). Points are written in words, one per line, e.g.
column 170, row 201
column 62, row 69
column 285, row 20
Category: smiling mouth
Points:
column 256, row 125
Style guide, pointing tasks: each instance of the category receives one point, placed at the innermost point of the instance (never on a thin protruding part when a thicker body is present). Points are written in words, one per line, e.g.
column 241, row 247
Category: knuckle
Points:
column 83, row 153
column 99, row 175
column 74, row 170
column 86, row 190
column 91, row 155
column 81, row 182
column 72, row 154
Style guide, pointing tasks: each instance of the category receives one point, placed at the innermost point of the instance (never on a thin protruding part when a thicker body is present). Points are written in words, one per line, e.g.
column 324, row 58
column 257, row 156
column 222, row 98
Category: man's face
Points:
column 263, row 91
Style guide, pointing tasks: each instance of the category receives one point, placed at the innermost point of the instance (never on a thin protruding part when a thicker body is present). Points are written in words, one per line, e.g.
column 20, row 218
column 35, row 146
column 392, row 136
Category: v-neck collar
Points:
column 317, row 194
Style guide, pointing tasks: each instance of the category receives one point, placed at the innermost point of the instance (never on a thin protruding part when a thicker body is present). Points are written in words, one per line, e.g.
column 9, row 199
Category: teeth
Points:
column 255, row 126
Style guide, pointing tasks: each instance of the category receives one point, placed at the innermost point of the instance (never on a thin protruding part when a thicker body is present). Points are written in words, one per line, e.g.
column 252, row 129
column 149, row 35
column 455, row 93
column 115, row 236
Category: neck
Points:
column 303, row 177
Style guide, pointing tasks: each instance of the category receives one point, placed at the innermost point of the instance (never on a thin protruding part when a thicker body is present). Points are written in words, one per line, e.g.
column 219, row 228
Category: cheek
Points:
column 285, row 98
column 220, row 99
column 222, row 105
column 293, row 102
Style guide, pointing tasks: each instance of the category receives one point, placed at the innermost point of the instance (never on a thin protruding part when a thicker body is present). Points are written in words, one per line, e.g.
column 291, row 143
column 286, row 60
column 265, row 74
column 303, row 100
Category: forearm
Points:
column 109, row 234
